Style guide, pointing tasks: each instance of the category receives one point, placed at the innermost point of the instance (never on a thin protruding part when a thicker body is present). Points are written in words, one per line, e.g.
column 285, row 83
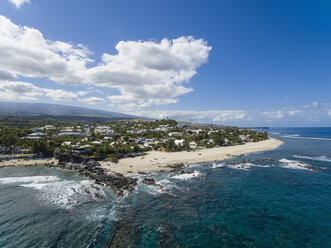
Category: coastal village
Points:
column 114, row 140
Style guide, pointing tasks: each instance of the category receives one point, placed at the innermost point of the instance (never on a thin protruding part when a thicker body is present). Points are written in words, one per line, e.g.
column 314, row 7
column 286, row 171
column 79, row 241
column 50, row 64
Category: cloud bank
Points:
column 144, row 73
column 315, row 114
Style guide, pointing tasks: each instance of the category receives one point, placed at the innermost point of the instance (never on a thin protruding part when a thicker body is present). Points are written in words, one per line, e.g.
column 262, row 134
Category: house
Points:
column 81, row 149
column 35, row 136
column 37, row 129
column 136, row 131
column 86, row 128
column 197, row 131
column 244, row 137
column 96, row 143
column 104, row 130
column 3, row 149
column 179, row 142
column 171, row 134
column 23, row 151
column 48, row 127
column 66, row 143
column 67, row 129
column 211, row 131
column 71, row 134
column 193, row 145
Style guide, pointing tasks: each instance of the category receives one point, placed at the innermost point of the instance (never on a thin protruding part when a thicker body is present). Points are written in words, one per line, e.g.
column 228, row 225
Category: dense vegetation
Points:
column 128, row 138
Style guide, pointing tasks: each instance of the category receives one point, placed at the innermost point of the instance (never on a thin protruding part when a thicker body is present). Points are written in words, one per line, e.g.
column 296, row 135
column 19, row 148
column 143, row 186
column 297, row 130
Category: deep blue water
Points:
column 284, row 201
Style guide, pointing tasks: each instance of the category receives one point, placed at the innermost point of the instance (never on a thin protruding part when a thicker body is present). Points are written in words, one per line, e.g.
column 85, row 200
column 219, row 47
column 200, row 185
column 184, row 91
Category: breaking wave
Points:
column 296, row 136
column 319, row 158
column 294, row 164
column 188, row 176
column 30, row 179
column 51, row 190
column 218, row 165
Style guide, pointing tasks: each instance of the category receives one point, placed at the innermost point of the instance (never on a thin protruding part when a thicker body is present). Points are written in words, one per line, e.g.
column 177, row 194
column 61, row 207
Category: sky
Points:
column 245, row 63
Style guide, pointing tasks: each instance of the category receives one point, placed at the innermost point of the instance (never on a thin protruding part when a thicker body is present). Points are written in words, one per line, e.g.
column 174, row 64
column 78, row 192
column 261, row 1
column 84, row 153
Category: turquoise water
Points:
column 280, row 203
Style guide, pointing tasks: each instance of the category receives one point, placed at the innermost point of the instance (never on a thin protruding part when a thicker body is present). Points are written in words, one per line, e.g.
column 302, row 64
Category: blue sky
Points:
column 230, row 62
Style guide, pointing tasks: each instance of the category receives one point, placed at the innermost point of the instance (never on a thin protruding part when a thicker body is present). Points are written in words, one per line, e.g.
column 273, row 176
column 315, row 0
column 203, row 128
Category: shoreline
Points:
column 156, row 160
column 29, row 162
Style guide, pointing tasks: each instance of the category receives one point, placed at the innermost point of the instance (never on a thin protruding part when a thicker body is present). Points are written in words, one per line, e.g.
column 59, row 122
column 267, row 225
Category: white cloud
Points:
column 25, row 52
column 60, row 95
column 19, row 3
column 294, row 112
column 93, row 100
column 21, row 91
column 144, row 73
column 82, row 93
column 301, row 115
column 272, row 115
column 148, row 72
column 211, row 116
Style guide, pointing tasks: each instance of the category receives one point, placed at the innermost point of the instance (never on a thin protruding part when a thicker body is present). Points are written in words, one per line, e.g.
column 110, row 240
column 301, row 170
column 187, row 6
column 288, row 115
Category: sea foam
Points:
column 187, row 176
column 30, row 179
column 61, row 193
column 66, row 194
column 294, row 164
column 218, row 165
column 319, row 158
column 296, row 136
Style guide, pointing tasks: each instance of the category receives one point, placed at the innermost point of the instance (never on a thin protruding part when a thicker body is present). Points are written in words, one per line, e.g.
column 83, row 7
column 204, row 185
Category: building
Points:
column 3, row 149
column 24, row 151
column 35, row 136
column 193, row 145
column 71, row 134
column 179, row 142
column 96, row 142
column 104, row 130
column 171, row 134
column 66, row 143
column 48, row 127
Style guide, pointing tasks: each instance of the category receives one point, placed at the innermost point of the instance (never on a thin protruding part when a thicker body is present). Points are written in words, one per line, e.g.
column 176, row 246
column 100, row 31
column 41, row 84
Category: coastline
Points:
column 29, row 162
column 156, row 160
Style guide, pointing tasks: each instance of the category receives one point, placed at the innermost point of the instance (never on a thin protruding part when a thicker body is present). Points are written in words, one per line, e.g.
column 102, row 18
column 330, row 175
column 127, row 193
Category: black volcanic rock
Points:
column 93, row 170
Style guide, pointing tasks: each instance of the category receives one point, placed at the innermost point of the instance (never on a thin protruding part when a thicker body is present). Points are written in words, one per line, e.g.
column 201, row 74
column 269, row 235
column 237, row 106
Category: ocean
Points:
column 279, row 198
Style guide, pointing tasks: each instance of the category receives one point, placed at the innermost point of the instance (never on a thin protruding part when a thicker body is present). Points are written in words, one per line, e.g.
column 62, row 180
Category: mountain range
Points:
column 57, row 111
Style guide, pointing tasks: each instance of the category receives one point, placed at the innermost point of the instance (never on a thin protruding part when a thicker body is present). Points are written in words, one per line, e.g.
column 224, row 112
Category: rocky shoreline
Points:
column 92, row 169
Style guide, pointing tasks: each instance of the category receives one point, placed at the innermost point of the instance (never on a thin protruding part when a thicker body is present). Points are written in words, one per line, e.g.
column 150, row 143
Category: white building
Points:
column 171, row 134
column 35, row 136
column 49, row 127
column 96, row 142
column 193, row 145
column 66, row 143
column 179, row 142
column 104, row 130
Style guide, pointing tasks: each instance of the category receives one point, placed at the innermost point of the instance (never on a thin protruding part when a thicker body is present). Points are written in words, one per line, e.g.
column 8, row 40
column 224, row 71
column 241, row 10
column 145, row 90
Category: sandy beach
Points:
column 160, row 160
column 28, row 162
column 156, row 160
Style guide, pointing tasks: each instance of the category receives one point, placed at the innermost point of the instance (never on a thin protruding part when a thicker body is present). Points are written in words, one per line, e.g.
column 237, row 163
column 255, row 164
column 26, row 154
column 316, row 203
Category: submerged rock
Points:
column 151, row 181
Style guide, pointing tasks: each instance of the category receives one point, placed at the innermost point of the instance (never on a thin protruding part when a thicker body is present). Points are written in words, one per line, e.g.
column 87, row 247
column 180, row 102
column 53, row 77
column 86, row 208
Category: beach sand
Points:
column 155, row 160
column 28, row 162
column 160, row 160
